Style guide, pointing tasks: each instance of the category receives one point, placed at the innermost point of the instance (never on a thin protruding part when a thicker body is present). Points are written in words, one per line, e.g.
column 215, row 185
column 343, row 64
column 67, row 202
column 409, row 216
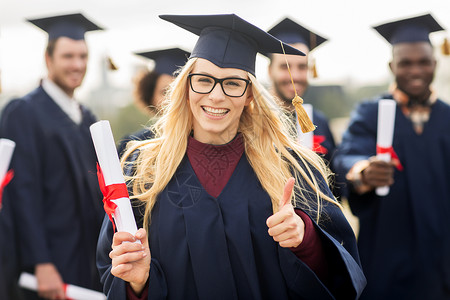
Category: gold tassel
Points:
column 445, row 47
column 303, row 119
column 111, row 65
column 314, row 69
column 312, row 43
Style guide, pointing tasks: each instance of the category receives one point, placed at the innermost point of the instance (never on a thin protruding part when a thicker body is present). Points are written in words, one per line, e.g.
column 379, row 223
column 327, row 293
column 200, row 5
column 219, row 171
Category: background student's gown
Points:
column 325, row 146
column 404, row 239
column 323, row 130
column 218, row 248
column 56, row 203
column 141, row 135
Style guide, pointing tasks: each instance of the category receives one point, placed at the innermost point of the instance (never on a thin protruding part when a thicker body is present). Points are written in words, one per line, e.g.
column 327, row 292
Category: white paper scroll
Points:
column 29, row 281
column 108, row 160
column 385, row 133
column 306, row 139
column 6, row 152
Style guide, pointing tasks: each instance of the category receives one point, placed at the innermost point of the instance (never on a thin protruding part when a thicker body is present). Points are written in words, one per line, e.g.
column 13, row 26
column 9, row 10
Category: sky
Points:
column 355, row 53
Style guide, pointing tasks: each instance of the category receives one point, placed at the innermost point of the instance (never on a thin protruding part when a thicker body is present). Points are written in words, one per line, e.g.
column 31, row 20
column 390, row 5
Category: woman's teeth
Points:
column 215, row 111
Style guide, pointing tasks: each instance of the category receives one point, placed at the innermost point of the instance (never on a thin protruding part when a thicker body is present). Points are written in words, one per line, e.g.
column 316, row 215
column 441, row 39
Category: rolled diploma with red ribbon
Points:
column 307, row 138
column 6, row 152
column 29, row 281
column 108, row 160
column 385, row 134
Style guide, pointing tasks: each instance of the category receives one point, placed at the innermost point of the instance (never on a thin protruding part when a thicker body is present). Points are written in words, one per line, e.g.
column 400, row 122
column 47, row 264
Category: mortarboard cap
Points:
column 167, row 61
column 291, row 32
column 229, row 41
column 415, row 29
column 72, row 26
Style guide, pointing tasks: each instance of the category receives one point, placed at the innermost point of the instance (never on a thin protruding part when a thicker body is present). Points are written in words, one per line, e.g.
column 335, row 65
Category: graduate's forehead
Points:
column 412, row 50
column 204, row 66
column 64, row 45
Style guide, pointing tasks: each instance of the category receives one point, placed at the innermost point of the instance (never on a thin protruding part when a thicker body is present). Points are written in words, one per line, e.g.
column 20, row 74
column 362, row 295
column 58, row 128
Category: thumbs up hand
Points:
column 285, row 226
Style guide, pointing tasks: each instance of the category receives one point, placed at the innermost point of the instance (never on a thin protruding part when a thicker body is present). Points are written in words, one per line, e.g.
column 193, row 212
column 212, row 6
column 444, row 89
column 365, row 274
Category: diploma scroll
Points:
column 108, row 160
column 307, row 138
column 385, row 134
column 28, row 281
column 6, row 152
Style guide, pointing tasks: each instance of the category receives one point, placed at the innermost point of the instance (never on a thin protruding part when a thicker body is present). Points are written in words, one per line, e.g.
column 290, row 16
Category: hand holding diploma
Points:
column 30, row 282
column 131, row 261
column 285, row 226
column 116, row 201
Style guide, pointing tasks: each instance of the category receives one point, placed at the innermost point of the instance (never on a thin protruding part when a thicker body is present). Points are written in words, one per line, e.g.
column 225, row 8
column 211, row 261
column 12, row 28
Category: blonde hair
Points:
column 267, row 141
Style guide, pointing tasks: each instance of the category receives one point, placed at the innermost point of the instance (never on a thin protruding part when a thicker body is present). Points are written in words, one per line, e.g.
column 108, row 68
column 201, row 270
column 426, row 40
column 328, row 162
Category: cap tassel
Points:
column 303, row 119
column 313, row 44
column 314, row 69
column 111, row 65
column 445, row 47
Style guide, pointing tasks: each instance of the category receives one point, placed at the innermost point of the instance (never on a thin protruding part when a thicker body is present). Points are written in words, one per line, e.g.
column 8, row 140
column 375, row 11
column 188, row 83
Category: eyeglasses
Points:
column 231, row 86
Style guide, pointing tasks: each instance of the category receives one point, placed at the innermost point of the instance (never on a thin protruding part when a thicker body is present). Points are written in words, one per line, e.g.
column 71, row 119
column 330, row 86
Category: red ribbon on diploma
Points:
column 395, row 159
column 317, row 144
column 65, row 289
column 9, row 175
column 111, row 192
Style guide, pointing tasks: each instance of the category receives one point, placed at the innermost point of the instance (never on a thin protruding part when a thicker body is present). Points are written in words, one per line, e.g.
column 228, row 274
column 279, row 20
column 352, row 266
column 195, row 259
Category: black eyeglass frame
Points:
column 220, row 81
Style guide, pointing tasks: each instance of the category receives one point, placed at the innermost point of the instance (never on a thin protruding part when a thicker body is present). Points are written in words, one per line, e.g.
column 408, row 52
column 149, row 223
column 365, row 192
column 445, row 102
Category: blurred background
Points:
column 352, row 65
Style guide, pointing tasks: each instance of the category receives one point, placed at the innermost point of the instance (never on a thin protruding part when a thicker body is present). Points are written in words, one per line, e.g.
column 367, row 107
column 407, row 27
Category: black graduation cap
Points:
column 291, row 32
column 167, row 61
column 72, row 26
column 229, row 41
column 415, row 29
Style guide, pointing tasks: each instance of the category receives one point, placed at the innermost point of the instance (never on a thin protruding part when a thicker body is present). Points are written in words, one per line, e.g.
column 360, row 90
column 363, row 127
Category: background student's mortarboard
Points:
column 229, row 41
column 73, row 26
column 292, row 32
column 415, row 29
column 167, row 61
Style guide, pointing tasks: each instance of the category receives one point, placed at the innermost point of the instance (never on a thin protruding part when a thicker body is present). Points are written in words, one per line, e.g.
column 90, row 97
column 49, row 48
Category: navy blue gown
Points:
column 219, row 248
column 323, row 131
column 404, row 238
column 56, row 205
column 141, row 135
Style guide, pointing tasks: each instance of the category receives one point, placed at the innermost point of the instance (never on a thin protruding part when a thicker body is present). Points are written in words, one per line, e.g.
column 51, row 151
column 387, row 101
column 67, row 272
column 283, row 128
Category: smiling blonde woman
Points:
column 233, row 206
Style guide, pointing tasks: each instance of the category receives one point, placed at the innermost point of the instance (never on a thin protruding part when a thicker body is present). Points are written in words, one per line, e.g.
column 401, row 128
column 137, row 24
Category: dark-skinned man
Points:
column 404, row 237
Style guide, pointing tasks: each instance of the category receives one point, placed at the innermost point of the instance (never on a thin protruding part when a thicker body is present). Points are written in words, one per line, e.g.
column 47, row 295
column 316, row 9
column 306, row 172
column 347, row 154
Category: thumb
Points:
column 286, row 198
column 141, row 235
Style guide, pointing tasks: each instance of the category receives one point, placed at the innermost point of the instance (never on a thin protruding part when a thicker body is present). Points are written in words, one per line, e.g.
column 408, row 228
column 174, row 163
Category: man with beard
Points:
column 305, row 40
column 404, row 238
column 56, row 203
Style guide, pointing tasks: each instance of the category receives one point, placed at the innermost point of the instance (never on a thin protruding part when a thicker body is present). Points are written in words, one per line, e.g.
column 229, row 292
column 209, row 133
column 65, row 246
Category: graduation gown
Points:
column 404, row 238
column 323, row 138
column 141, row 135
column 55, row 201
column 219, row 248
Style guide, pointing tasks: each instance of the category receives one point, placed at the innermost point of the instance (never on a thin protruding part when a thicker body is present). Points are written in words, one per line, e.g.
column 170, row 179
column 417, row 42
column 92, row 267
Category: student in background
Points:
column 56, row 203
column 306, row 41
column 151, row 86
column 404, row 237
